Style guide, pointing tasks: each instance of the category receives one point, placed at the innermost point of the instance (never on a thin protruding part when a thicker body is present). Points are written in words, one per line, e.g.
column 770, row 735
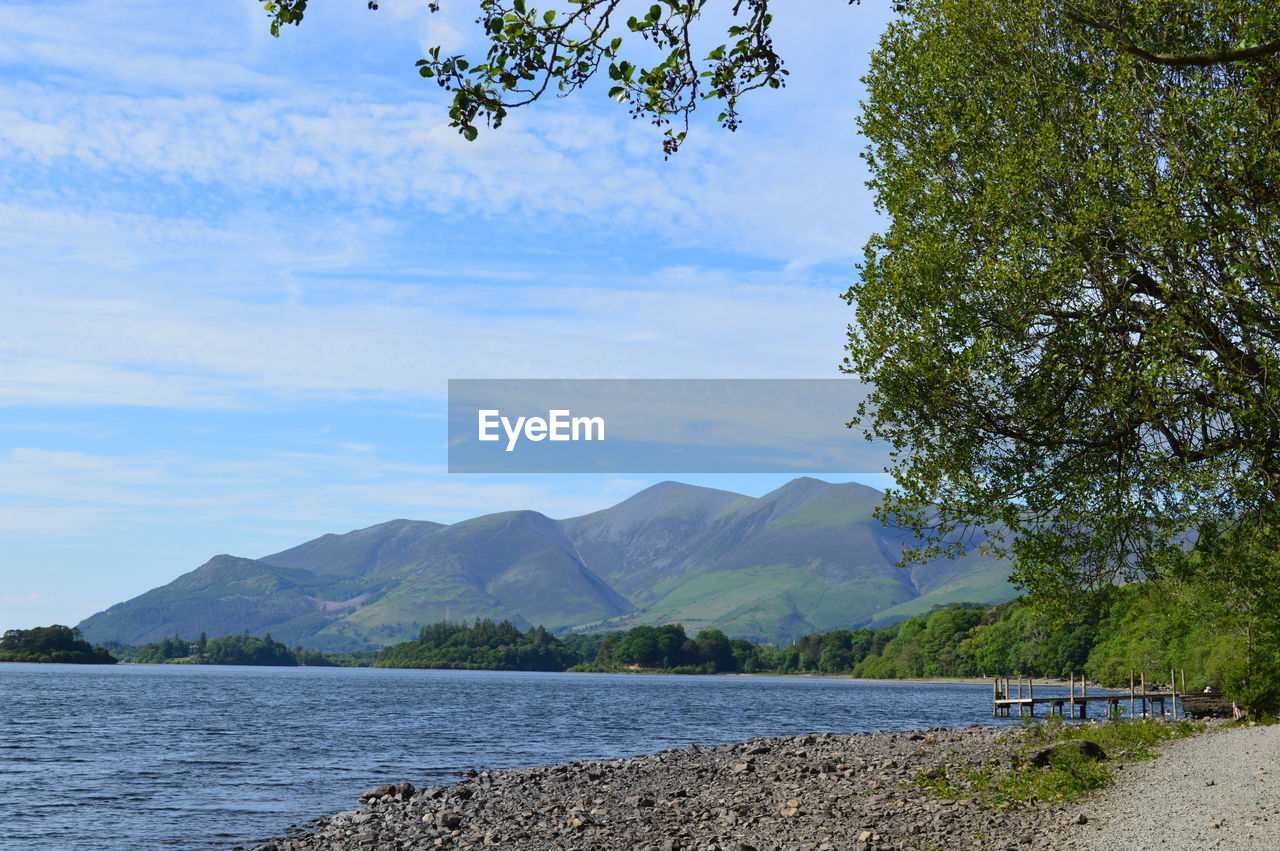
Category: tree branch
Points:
column 1177, row 60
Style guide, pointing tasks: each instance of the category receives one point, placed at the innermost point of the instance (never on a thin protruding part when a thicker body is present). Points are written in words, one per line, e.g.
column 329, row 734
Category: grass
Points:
column 1068, row 776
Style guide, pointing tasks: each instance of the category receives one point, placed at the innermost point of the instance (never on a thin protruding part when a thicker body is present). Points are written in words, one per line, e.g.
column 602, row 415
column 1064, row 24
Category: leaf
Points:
column 470, row 133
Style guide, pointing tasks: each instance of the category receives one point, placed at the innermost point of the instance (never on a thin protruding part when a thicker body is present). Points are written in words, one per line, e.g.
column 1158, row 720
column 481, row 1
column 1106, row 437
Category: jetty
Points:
column 1008, row 694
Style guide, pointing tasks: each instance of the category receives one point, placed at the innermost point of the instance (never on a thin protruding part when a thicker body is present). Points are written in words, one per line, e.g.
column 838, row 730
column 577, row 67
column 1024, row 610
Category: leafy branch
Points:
column 532, row 52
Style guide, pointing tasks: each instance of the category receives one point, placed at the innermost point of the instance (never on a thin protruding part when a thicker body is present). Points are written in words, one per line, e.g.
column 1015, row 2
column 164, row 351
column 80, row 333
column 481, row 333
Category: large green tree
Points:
column 1072, row 320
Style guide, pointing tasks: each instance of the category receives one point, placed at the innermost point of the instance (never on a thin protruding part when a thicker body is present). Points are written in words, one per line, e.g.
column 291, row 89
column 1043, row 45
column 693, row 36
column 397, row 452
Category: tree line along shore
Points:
column 1146, row 628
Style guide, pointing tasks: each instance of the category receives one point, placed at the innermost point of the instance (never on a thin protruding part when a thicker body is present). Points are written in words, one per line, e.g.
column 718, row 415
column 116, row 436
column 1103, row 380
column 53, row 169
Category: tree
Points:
column 533, row 52
column 56, row 643
column 1073, row 319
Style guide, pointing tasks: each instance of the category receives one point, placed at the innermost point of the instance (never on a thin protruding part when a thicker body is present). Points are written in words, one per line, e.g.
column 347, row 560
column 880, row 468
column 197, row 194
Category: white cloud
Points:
column 756, row 192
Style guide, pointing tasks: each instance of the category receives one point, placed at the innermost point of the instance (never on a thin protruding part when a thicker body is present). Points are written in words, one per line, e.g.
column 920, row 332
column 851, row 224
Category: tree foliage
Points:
column 484, row 645
column 55, row 643
column 242, row 649
column 1072, row 320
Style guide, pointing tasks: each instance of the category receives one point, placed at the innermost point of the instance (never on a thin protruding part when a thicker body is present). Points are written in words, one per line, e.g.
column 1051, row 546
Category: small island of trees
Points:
column 56, row 643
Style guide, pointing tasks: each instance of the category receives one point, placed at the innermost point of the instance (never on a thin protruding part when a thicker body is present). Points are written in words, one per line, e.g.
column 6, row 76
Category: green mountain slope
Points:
column 807, row 557
column 516, row 565
column 225, row 595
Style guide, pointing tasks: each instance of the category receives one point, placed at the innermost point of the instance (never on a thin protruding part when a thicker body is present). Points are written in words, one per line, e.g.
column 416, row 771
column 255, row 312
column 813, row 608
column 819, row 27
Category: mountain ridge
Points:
column 806, row 557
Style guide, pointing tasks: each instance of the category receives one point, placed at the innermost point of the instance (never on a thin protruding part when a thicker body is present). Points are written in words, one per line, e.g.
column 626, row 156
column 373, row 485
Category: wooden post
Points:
column 1031, row 695
column 1173, row 693
column 1142, row 675
column 1071, row 694
column 1130, row 695
column 995, row 695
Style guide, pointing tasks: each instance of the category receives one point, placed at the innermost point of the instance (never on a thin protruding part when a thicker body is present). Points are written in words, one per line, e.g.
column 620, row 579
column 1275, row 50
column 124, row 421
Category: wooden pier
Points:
column 1143, row 701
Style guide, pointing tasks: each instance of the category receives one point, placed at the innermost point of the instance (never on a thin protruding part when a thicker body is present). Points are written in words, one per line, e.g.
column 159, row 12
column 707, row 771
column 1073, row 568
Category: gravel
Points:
column 1220, row 789
column 806, row 793
column 823, row 793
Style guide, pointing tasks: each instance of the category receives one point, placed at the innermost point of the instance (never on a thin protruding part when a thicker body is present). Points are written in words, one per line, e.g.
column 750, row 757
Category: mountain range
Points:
column 807, row 557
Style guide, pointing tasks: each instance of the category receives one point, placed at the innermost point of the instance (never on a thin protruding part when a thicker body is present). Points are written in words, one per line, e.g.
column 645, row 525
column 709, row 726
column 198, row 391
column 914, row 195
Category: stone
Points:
column 1087, row 749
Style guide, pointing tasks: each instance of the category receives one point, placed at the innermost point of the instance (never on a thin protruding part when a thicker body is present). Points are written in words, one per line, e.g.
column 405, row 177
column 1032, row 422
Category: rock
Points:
column 1087, row 749
column 377, row 792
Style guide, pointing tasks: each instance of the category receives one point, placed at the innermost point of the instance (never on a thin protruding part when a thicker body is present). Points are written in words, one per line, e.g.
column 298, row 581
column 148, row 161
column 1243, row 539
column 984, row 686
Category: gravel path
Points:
column 1220, row 789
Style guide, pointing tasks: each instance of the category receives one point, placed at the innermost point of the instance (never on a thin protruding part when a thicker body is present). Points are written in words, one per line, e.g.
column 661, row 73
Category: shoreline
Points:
column 818, row 792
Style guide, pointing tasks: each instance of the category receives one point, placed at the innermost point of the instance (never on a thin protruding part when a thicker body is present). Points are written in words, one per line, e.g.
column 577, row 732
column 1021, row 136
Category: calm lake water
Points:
column 197, row 757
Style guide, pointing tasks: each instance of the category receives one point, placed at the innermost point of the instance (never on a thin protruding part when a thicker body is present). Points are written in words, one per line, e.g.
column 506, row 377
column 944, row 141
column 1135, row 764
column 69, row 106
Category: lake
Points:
column 135, row 756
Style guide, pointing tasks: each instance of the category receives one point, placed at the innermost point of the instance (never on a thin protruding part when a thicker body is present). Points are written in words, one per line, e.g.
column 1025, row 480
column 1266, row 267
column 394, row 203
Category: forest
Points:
column 1147, row 628
column 243, row 649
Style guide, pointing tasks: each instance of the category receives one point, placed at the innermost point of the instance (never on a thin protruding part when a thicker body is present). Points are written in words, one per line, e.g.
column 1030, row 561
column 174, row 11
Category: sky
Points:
column 236, row 273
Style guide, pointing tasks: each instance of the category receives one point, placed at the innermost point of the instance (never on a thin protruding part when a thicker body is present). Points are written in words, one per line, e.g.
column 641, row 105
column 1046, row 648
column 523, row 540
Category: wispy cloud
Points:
column 212, row 352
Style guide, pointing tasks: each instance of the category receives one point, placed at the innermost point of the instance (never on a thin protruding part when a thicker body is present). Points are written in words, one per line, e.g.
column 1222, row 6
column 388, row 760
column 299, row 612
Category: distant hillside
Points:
column 807, row 557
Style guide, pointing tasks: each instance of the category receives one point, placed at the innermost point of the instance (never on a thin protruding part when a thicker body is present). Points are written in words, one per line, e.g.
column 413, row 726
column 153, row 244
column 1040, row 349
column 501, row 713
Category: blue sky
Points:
column 237, row 272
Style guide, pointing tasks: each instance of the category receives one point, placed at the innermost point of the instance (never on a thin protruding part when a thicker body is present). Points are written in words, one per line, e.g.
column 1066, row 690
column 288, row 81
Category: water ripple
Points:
column 146, row 756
